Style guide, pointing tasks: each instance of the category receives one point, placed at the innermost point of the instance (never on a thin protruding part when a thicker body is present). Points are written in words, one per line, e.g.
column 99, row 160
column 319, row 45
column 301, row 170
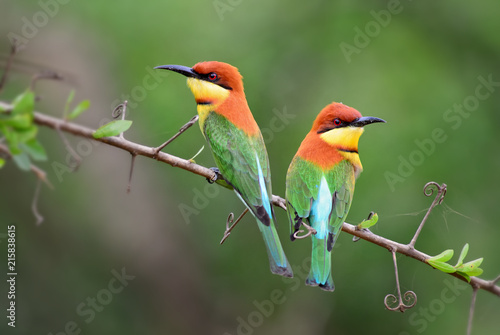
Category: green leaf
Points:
column 82, row 106
column 12, row 138
column 68, row 102
column 35, row 150
column 27, row 134
column 464, row 252
column 112, row 129
column 24, row 103
column 470, row 266
column 365, row 224
column 445, row 267
column 18, row 121
column 445, row 256
column 2, row 162
column 22, row 161
column 474, row 273
column 466, row 276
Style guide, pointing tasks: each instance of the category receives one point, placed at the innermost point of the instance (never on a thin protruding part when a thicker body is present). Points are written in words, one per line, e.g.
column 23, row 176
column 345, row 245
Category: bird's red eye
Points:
column 212, row 76
column 337, row 122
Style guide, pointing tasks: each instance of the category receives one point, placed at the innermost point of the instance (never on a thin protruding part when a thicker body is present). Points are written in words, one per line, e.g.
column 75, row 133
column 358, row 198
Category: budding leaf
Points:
column 113, row 128
column 79, row 109
column 445, row 256
column 24, row 103
column 464, row 252
column 68, row 101
column 35, row 150
column 365, row 224
column 470, row 266
column 2, row 162
column 442, row 266
column 22, row 161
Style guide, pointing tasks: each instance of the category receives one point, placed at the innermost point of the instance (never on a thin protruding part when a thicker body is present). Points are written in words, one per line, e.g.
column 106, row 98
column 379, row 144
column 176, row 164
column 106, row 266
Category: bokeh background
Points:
column 410, row 62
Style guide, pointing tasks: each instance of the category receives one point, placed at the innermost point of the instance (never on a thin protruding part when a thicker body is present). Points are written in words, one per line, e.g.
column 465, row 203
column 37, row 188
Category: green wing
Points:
column 238, row 157
column 302, row 187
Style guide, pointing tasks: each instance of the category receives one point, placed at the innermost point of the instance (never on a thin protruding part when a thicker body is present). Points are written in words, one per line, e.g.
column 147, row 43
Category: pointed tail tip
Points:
column 327, row 286
column 282, row 271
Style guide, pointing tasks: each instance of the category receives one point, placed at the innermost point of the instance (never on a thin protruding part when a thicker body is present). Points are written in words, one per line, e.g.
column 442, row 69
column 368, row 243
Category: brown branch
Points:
column 138, row 149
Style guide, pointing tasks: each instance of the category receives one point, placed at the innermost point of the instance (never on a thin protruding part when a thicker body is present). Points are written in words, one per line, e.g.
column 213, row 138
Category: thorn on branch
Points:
column 34, row 204
column 229, row 220
column 429, row 190
column 409, row 297
column 132, row 163
column 185, row 127
column 45, row 74
column 13, row 50
column 77, row 159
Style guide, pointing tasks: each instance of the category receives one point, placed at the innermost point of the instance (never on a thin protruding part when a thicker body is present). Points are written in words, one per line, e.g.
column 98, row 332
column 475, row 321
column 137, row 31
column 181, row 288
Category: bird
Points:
column 320, row 183
column 237, row 146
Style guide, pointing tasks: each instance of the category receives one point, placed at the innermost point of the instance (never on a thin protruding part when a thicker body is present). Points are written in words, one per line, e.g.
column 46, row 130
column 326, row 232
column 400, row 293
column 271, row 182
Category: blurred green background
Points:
column 412, row 63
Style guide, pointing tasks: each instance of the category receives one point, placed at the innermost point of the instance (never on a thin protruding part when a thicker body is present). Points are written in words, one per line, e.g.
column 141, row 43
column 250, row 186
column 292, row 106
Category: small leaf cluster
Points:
column 371, row 221
column 467, row 270
column 19, row 131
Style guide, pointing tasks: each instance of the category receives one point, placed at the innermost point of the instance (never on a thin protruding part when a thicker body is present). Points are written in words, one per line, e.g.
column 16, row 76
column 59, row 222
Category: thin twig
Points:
column 181, row 130
column 78, row 130
column 428, row 191
column 34, row 205
column 13, row 51
column 409, row 296
column 132, row 163
column 229, row 221
column 69, row 148
column 471, row 310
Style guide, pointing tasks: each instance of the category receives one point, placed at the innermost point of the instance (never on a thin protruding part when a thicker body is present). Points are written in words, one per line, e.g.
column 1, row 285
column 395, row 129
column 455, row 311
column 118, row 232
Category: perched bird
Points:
column 237, row 145
column 320, row 183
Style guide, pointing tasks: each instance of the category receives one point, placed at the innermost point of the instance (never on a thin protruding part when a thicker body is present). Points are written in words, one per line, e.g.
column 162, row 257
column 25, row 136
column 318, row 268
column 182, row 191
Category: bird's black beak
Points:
column 363, row 121
column 187, row 71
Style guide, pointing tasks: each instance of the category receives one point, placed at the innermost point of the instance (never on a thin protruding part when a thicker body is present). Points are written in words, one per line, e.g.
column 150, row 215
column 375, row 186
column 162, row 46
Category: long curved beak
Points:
column 365, row 120
column 184, row 70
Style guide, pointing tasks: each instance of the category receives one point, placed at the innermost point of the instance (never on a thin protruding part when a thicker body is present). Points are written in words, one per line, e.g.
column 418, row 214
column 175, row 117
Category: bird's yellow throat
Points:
column 346, row 140
column 207, row 95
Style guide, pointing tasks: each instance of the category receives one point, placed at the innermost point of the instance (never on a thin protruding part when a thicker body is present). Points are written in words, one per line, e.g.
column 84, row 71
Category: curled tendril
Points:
column 432, row 186
column 310, row 231
column 119, row 110
column 230, row 224
column 230, row 220
column 409, row 298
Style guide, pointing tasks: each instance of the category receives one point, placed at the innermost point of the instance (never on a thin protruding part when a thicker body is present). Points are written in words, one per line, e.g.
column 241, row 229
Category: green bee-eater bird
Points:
column 320, row 183
column 237, row 145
